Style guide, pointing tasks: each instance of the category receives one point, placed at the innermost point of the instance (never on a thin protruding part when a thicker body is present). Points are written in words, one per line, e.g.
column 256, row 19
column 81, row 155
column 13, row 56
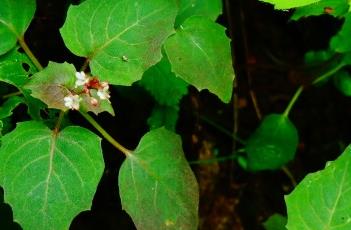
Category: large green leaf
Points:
column 288, row 4
column 208, row 8
column 332, row 7
column 157, row 187
column 121, row 38
column 322, row 200
column 15, row 17
column 163, row 85
column 200, row 54
column 341, row 41
column 49, row 177
column 273, row 143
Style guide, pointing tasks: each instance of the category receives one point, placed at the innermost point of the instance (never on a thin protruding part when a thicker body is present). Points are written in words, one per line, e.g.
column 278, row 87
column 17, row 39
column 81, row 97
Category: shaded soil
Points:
column 268, row 51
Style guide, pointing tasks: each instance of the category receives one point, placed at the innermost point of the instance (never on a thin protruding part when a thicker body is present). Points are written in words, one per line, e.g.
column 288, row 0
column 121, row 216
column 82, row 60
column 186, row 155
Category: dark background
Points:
column 268, row 54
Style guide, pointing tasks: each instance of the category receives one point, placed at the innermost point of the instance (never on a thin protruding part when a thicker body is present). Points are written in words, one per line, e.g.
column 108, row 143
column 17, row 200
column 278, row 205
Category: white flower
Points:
column 72, row 101
column 103, row 93
column 82, row 79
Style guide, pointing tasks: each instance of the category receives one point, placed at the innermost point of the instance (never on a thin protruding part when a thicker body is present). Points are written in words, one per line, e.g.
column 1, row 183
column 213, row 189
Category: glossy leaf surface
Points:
column 322, row 200
column 49, row 177
column 157, row 187
column 200, row 54
column 121, row 38
column 273, row 143
column 284, row 4
column 15, row 17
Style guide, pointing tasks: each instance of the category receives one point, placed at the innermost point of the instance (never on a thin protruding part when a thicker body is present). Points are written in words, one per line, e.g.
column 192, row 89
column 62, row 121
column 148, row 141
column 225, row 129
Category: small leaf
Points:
column 342, row 81
column 273, row 144
column 163, row 85
column 157, row 187
column 200, row 54
column 335, row 8
column 275, row 222
column 322, row 200
column 284, row 4
column 341, row 41
column 49, row 177
column 52, row 84
column 166, row 116
column 121, row 38
column 9, row 105
column 207, row 8
column 15, row 17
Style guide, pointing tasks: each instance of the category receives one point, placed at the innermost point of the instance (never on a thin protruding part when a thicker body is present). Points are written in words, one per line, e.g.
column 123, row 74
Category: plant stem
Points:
column 59, row 121
column 26, row 49
column 217, row 159
column 17, row 93
column 289, row 175
column 107, row 136
column 328, row 73
column 293, row 101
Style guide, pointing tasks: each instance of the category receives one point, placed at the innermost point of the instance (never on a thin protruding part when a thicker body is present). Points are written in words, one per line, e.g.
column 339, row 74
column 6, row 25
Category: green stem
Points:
column 328, row 73
column 26, row 49
column 217, row 159
column 107, row 136
column 293, row 101
column 17, row 93
column 59, row 121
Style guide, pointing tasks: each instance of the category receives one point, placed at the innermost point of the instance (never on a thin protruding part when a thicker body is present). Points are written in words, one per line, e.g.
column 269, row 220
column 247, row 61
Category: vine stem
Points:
column 26, row 49
column 107, row 136
column 293, row 101
column 58, row 122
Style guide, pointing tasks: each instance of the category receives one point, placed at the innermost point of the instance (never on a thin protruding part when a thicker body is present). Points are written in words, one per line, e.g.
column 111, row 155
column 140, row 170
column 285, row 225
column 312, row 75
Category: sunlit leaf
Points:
column 163, row 85
column 207, row 8
column 200, row 54
column 157, row 187
column 288, row 4
column 15, row 17
column 273, row 143
column 331, row 7
column 322, row 200
column 121, row 38
column 49, row 177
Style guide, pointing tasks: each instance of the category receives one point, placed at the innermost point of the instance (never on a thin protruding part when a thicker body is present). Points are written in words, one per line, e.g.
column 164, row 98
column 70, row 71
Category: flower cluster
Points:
column 87, row 86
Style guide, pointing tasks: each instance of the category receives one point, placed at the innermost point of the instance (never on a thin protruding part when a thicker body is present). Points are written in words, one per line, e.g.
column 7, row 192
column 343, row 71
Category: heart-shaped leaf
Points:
column 49, row 177
column 273, row 143
column 200, row 54
column 157, row 187
column 322, row 200
column 15, row 17
column 121, row 38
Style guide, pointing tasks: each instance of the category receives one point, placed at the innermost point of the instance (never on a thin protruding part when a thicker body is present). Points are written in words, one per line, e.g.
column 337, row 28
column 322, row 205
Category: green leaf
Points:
column 288, row 4
column 166, row 116
column 342, row 81
column 275, row 222
column 163, row 85
column 273, row 144
column 322, row 200
column 49, row 177
column 336, row 8
column 341, row 41
column 200, row 54
column 207, row 8
column 15, row 17
column 11, row 68
column 157, row 187
column 121, row 38
column 9, row 105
